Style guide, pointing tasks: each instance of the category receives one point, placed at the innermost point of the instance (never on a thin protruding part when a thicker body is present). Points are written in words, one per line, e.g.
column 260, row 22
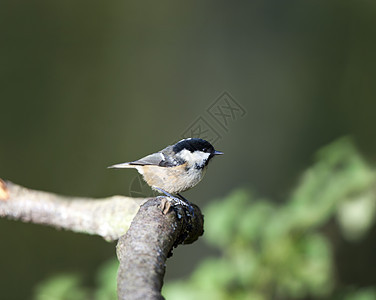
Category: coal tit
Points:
column 176, row 168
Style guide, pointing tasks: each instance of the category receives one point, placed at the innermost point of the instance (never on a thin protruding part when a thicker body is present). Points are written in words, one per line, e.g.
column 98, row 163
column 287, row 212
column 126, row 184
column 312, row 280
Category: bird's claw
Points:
column 177, row 201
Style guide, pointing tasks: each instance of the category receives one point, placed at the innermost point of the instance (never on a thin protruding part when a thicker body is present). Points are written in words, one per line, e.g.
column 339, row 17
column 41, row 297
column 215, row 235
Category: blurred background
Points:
column 88, row 84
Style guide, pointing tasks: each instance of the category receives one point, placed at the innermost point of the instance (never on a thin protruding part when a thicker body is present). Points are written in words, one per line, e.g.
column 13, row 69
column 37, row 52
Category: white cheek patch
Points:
column 196, row 157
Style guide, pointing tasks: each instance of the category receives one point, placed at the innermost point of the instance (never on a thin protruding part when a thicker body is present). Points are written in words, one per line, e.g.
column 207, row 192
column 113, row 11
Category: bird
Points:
column 176, row 168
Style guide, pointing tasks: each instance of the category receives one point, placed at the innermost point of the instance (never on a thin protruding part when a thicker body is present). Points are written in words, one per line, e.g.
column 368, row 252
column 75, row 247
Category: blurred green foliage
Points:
column 70, row 286
column 270, row 251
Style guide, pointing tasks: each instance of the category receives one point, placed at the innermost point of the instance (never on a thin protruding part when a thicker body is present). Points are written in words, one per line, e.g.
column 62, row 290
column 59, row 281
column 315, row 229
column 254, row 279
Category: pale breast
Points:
column 173, row 179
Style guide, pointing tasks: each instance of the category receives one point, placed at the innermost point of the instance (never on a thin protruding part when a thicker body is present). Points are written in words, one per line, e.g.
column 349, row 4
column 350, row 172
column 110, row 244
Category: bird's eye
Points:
column 204, row 150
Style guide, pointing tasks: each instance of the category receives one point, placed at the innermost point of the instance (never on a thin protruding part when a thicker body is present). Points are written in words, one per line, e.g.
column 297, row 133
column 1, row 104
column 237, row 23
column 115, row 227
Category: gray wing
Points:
column 152, row 159
column 163, row 158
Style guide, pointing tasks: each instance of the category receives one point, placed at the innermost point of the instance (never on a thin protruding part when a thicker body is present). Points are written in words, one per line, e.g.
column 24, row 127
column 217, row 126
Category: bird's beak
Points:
column 218, row 152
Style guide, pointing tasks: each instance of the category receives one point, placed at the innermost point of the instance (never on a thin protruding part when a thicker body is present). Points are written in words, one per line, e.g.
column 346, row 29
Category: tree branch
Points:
column 143, row 250
column 107, row 217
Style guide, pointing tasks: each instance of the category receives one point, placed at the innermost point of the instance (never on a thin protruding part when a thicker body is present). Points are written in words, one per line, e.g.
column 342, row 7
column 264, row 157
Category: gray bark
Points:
column 108, row 217
column 146, row 234
column 143, row 250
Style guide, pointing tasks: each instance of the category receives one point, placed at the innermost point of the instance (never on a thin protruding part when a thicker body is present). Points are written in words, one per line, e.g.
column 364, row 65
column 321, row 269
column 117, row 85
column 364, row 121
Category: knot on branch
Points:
column 192, row 224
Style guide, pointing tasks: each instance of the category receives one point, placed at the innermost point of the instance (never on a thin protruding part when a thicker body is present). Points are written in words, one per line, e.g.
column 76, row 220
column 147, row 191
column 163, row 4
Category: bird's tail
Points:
column 121, row 166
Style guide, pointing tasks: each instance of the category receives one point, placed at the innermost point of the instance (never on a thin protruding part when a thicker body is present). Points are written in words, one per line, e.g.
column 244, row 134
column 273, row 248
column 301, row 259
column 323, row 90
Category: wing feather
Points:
column 163, row 158
column 152, row 159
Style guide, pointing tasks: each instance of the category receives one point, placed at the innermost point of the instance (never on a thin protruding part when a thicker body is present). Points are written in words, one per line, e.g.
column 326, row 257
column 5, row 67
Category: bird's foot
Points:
column 176, row 201
column 190, row 207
